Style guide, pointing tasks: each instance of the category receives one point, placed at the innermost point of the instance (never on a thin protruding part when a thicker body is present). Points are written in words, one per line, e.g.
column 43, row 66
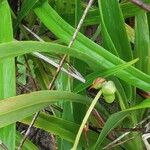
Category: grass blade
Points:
column 7, row 72
column 65, row 129
column 113, row 71
column 25, row 8
column 116, row 118
column 132, row 75
column 85, row 119
column 128, row 10
column 142, row 41
column 110, row 9
column 105, row 59
column 27, row 145
column 27, row 104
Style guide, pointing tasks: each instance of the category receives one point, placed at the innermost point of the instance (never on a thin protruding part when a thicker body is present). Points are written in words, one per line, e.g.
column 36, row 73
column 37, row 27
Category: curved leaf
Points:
column 90, row 78
column 25, row 8
column 27, row 104
column 132, row 75
column 102, row 57
column 111, row 9
column 116, row 118
column 28, row 145
column 63, row 128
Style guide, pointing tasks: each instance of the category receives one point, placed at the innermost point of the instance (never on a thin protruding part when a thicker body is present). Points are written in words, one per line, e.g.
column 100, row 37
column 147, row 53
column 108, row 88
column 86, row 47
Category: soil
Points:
column 42, row 139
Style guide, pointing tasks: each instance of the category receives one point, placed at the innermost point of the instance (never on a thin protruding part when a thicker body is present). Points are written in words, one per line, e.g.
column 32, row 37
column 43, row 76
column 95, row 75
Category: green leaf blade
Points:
column 7, row 72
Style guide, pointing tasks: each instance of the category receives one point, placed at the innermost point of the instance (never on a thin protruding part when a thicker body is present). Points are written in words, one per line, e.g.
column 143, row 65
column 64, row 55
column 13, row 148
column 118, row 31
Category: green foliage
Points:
column 7, row 72
column 118, row 50
column 116, row 118
column 65, row 129
column 21, row 70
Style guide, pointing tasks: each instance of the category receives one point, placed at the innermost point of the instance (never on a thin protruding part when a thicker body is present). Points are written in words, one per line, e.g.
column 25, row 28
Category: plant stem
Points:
column 28, row 130
column 126, row 133
column 71, row 42
column 58, row 69
column 85, row 120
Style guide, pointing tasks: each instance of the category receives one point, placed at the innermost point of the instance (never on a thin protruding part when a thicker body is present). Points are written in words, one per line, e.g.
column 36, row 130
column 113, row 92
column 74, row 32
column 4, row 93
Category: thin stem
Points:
column 3, row 146
column 98, row 118
column 28, row 131
column 71, row 42
column 85, row 119
column 74, row 74
column 125, row 134
column 101, row 121
column 120, row 143
column 58, row 69
column 145, row 138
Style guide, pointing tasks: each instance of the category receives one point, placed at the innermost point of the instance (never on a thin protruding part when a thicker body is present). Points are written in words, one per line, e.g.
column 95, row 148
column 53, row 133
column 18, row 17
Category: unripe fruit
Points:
column 108, row 88
column 109, row 98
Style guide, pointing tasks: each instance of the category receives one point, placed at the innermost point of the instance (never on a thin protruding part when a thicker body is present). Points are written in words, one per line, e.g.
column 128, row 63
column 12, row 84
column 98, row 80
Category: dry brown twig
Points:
column 74, row 74
column 119, row 143
column 125, row 134
column 141, row 4
column 3, row 146
column 58, row 70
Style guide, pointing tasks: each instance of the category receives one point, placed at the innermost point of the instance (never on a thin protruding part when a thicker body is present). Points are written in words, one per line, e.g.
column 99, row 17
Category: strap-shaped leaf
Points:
column 116, row 118
column 65, row 129
column 132, row 75
column 27, row 104
column 142, row 46
column 7, row 72
column 102, row 57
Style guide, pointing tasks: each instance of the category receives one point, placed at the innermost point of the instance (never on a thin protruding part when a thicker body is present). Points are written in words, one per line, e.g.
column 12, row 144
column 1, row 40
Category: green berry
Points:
column 108, row 88
column 109, row 98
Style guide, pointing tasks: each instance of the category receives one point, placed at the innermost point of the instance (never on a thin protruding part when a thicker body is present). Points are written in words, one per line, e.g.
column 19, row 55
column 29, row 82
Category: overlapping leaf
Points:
column 27, row 104
column 102, row 58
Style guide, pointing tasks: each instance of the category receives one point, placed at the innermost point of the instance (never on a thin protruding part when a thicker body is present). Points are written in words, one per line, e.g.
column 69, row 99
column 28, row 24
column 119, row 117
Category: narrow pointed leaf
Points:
column 142, row 42
column 116, row 118
column 7, row 72
column 63, row 128
column 104, row 58
column 27, row 104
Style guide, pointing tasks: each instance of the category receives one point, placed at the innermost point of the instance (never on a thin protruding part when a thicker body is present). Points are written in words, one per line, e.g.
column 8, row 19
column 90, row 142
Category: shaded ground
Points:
column 43, row 140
